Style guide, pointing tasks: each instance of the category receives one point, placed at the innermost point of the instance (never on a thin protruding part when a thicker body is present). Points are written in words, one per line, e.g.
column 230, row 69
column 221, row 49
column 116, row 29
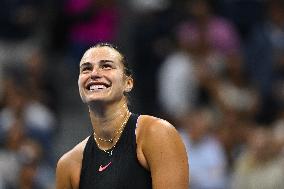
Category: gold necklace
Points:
column 116, row 133
column 119, row 131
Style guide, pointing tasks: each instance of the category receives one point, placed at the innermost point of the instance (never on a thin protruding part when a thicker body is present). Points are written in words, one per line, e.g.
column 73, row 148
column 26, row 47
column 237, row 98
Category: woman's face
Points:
column 102, row 77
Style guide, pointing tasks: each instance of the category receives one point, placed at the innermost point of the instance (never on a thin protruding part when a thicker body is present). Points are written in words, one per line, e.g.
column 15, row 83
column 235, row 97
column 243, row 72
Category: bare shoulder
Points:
column 150, row 125
column 69, row 167
column 152, row 130
column 75, row 154
column 162, row 152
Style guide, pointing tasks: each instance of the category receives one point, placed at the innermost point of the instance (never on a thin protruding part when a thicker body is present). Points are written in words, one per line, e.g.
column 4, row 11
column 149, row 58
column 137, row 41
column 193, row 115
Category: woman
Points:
column 125, row 151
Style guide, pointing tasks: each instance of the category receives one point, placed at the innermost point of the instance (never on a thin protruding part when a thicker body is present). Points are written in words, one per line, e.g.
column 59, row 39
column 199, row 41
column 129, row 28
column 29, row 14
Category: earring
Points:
column 128, row 89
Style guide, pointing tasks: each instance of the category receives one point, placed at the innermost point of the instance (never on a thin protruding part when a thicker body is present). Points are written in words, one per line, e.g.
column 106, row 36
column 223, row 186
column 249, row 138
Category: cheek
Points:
column 121, row 82
column 80, row 85
column 81, row 80
column 116, row 78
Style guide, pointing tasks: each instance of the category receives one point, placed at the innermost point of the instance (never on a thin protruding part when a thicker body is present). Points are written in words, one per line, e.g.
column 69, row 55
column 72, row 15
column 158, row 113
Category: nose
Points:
column 96, row 73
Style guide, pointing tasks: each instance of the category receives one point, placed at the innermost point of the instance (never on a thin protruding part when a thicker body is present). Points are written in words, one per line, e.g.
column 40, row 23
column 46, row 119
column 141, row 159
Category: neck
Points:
column 107, row 118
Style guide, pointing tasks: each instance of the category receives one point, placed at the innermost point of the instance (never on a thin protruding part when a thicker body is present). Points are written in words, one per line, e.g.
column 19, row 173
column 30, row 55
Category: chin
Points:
column 96, row 100
column 102, row 97
column 95, row 96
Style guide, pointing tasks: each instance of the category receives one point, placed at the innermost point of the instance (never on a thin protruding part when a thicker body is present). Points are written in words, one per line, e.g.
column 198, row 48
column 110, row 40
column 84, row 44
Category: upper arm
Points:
column 69, row 167
column 166, row 156
column 63, row 178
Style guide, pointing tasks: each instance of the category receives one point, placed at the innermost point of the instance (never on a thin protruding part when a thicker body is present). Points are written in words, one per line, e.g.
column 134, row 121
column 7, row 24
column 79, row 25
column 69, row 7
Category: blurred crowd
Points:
column 214, row 68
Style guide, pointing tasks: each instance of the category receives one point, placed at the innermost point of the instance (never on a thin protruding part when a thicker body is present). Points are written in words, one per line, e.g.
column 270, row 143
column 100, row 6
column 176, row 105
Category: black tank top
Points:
column 121, row 170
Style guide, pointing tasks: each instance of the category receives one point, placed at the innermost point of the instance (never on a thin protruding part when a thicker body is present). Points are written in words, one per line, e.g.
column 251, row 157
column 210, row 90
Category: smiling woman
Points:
column 102, row 74
column 125, row 150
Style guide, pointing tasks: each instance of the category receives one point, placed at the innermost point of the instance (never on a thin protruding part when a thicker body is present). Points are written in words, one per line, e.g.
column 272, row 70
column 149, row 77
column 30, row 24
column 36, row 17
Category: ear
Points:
column 128, row 84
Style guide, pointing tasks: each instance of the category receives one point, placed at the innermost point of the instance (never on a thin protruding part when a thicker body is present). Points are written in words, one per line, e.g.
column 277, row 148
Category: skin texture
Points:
column 159, row 146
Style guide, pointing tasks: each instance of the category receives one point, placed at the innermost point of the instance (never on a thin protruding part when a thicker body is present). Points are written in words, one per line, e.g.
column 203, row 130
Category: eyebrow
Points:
column 101, row 61
column 106, row 61
column 85, row 64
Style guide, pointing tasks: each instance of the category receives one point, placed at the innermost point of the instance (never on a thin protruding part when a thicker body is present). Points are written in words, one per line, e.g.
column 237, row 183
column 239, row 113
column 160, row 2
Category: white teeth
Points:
column 97, row 87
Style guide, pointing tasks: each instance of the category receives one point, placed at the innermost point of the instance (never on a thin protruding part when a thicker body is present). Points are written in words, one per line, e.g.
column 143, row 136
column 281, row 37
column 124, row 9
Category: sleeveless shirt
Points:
column 121, row 170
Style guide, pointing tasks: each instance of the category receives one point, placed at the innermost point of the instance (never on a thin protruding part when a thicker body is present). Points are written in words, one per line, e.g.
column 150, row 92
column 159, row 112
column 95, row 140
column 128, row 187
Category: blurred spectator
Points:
column 232, row 133
column 177, row 85
column 19, row 18
column 149, row 42
column 9, row 160
column 265, row 50
column 204, row 23
column 34, row 173
column 21, row 30
column 207, row 161
column 232, row 91
column 244, row 14
column 182, row 75
column 38, row 121
column 211, row 47
column 21, row 162
column 90, row 22
column 212, row 40
column 41, row 79
column 260, row 166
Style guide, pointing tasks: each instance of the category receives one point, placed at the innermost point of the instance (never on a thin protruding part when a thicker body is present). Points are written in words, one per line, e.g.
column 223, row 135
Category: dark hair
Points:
column 127, row 69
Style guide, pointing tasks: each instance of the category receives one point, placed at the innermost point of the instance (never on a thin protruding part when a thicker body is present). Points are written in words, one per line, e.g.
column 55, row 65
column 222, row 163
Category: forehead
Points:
column 101, row 53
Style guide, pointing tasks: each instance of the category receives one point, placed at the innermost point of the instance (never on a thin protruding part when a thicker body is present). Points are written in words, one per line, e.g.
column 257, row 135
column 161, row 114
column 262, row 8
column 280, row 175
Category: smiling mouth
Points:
column 97, row 87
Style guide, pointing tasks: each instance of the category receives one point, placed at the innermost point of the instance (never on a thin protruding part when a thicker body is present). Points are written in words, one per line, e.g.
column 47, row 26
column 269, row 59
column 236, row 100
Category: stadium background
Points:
column 215, row 70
